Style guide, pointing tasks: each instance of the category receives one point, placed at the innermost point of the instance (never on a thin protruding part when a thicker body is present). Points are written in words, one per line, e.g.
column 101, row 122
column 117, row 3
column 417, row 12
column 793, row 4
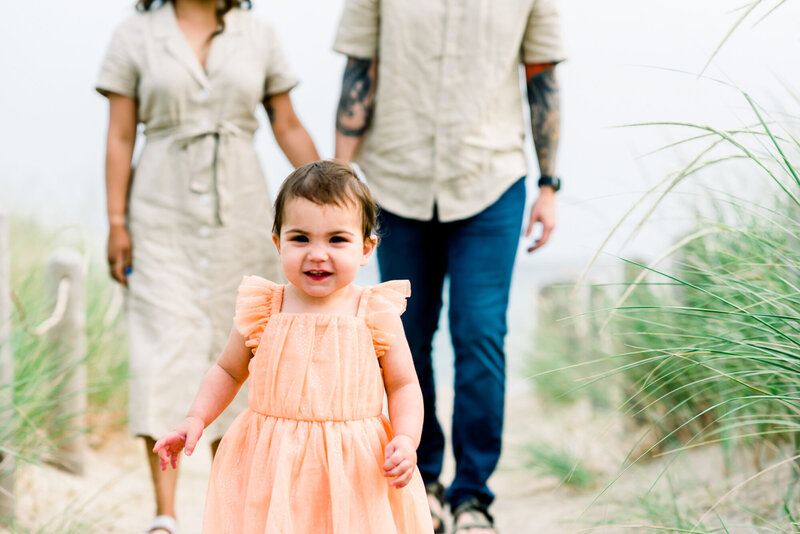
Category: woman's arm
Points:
column 216, row 392
column 289, row 132
column 119, row 151
column 406, row 410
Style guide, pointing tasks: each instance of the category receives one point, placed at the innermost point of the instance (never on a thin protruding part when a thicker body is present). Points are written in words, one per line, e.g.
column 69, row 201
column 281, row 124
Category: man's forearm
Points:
column 356, row 105
column 544, row 100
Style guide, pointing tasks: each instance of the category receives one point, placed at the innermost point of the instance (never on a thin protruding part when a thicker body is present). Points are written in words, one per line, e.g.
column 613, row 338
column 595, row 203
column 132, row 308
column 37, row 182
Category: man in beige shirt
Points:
column 431, row 111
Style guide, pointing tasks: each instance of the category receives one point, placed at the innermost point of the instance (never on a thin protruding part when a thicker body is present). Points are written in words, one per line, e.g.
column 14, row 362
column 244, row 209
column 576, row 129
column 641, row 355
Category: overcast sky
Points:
column 624, row 55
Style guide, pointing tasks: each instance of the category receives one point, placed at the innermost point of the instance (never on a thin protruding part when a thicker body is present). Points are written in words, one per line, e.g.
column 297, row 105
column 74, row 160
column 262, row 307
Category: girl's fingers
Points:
column 392, row 462
column 397, row 469
column 403, row 479
column 191, row 442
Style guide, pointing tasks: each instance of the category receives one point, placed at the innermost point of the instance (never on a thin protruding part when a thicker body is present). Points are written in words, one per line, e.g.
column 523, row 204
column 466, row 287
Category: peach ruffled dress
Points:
column 306, row 457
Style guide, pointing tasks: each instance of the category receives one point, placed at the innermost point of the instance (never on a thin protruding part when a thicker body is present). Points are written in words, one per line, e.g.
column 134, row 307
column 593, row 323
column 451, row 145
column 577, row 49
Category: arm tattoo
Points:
column 543, row 97
column 358, row 97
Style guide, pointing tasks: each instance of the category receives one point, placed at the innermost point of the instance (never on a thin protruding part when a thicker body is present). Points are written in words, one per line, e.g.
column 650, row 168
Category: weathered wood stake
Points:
column 68, row 341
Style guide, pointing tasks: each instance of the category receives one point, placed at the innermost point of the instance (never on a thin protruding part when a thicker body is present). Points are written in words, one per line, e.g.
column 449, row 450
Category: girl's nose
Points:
column 318, row 253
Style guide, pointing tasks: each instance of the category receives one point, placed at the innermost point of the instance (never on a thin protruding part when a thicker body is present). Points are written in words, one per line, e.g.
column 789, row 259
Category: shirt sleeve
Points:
column 358, row 29
column 119, row 72
column 543, row 41
column 279, row 77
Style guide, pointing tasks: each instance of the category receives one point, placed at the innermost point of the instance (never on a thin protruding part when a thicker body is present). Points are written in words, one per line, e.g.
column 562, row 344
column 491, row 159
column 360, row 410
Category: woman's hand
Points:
column 401, row 458
column 119, row 253
column 185, row 438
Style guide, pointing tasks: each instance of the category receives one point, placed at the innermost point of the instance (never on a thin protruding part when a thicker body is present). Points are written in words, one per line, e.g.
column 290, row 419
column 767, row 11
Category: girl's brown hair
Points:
column 222, row 7
column 328, row 182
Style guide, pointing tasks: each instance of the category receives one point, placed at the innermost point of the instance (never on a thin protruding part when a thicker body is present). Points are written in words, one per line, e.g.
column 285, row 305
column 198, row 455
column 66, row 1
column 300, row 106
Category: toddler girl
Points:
column 313, row 454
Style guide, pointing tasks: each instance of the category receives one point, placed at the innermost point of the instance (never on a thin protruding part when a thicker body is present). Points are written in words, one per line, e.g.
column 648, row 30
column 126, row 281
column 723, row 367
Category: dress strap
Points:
column 381, row 306
column 257, row 301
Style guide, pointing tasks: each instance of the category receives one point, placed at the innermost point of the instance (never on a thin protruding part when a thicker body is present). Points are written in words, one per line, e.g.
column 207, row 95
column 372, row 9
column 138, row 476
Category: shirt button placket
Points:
column 444, row 101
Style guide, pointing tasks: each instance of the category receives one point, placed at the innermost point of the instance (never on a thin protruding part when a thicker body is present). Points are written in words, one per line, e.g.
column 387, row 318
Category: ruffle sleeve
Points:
column 382, row 305
column 258, row 299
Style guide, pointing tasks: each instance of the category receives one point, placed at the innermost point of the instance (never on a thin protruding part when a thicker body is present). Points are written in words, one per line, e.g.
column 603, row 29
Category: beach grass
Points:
column 708, row 346
column 37, row 423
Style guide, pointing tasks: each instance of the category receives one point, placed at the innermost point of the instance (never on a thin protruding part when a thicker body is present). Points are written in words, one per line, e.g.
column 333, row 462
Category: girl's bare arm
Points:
column 216, row 392
column 405, row 409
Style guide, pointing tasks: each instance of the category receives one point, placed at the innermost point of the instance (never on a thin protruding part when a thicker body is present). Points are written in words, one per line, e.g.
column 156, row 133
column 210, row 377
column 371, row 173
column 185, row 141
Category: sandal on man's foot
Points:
column 163, row 523
column 435, row 493
column 473, row 515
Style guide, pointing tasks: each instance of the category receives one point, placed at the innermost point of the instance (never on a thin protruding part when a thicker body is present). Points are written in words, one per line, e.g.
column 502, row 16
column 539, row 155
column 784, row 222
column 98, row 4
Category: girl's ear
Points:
column 277, row 240
column 369, row 246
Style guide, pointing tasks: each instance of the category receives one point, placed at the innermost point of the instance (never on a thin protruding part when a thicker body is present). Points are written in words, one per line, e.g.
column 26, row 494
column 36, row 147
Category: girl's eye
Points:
column 338, row 239
column 299, row 239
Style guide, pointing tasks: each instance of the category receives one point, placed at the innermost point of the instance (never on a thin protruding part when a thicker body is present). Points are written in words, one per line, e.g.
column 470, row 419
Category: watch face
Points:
column 552, row 181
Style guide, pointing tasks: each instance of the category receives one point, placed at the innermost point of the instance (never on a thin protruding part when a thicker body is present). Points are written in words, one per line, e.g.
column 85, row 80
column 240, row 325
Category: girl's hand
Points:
column 184, row 437
column 119, row 253
column 401, row 458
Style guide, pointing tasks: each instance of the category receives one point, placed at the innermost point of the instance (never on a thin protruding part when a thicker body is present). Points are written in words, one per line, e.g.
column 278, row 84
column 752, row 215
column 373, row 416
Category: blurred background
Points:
column 679, row 66
column 629, row 61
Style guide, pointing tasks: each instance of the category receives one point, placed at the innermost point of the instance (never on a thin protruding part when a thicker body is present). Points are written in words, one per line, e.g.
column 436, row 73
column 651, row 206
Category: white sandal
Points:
column 165, row 523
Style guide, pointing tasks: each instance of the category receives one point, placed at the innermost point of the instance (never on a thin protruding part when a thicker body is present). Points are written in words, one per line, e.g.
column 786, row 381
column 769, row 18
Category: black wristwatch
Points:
column 552, row 181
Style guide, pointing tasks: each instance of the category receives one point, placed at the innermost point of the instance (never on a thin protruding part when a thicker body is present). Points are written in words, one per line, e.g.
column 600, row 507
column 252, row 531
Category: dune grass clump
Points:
column 33, row 429
column 709, row 347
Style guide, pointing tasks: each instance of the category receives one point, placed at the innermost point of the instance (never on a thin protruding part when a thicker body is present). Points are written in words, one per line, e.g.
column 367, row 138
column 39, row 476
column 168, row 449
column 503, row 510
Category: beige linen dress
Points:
column 199, row 212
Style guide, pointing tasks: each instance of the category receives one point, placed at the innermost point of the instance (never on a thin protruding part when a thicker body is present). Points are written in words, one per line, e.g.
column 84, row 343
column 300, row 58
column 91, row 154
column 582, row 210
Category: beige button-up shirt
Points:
column 448, row 123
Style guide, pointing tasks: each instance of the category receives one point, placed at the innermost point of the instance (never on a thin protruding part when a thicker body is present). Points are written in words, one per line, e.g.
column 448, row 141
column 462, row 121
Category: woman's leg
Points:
column 164, row 482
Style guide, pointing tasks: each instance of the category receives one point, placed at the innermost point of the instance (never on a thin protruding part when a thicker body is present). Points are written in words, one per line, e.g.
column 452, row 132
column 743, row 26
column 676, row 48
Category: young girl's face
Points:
column 321, row 247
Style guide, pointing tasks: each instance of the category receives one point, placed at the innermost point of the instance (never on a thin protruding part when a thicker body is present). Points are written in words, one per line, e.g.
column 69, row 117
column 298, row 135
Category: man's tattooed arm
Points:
column 356, row 105
column 543, row 97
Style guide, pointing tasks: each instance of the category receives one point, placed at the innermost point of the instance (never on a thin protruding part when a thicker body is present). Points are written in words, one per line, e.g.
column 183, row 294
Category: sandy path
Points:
column 114, row 495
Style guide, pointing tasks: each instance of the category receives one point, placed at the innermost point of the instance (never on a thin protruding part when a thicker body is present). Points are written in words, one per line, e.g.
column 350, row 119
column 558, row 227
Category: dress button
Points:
column 206, row 321
column 202, row 95
column 203, row 262
column 203, row 123
column 204, row 231
column 205, row 293
column 205, row 199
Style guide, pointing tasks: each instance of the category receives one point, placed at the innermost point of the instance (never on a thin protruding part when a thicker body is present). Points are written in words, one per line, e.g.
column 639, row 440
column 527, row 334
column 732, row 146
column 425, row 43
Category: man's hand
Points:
column 543, row 212
column 401, row 458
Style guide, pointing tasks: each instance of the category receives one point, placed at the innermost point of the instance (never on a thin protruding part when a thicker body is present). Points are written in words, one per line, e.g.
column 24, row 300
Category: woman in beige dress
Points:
column 195, row 215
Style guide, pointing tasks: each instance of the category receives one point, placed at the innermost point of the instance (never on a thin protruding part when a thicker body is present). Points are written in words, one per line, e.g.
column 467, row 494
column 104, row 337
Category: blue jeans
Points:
column 477, row 254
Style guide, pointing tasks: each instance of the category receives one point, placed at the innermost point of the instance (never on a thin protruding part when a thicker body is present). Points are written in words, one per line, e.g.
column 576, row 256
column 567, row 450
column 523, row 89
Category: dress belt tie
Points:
column 206, row 152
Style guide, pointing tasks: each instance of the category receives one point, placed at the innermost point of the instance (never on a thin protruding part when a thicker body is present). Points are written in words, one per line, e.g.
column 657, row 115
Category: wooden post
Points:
column 6, row 378
column 68, row 341
column 555, row 306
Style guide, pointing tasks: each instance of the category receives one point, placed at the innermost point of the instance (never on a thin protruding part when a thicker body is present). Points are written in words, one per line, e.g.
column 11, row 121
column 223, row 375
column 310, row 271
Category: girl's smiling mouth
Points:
column 317, row 275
